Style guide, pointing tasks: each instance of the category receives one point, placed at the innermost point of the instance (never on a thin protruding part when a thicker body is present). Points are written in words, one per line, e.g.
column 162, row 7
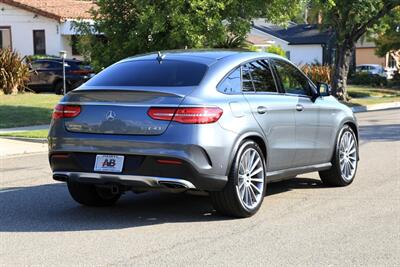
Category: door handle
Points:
column 299, row 107
column 262, row 109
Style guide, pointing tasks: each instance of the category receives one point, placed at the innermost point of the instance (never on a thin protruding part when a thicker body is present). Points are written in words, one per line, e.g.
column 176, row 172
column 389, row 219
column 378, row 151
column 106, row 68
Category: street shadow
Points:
column 380, row 133
column 293, row 184
column 49, row 208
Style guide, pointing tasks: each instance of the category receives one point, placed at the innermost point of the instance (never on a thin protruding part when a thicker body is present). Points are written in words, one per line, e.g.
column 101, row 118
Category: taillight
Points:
column 190, row 115
column 66, row 111
column 80, row 72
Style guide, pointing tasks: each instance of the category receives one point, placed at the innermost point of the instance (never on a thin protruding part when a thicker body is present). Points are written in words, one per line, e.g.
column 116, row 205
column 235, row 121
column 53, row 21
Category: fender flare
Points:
column 237, row 143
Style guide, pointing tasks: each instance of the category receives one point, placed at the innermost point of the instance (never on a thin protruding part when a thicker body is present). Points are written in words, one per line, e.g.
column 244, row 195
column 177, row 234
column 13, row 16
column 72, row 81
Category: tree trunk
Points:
column 341, row 71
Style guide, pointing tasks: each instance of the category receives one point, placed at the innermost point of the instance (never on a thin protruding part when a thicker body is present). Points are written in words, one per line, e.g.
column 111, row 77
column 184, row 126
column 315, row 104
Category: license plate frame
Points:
column 109, row 163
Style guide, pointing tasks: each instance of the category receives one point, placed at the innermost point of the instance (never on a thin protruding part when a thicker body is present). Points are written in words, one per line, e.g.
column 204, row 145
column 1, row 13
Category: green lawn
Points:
column 366, row 95
column 26, row 109
column 28, row 134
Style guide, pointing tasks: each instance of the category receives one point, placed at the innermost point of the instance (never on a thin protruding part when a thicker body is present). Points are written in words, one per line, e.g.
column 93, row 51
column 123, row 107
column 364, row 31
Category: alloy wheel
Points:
column 348, row 156
column 251, row 178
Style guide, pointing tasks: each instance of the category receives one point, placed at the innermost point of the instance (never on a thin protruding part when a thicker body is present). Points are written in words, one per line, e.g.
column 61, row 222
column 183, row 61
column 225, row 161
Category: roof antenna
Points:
column 160, row 57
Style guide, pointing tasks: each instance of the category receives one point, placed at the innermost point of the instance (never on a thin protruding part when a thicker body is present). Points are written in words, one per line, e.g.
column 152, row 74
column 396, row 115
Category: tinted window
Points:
column 42, row 65
column 150, row 73
column 247, row 83
column 39, row 42
column 231, row 84
column 293, row 81
column 261, row 75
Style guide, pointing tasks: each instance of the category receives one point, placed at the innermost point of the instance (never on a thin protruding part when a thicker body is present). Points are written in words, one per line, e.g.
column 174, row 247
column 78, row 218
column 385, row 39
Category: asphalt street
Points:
column 301, row 222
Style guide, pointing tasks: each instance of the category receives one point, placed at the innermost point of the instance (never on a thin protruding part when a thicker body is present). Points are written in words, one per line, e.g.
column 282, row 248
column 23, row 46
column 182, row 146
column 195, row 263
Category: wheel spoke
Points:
column 251, row 159
column 256, row 171
column 256, row 188
column 254, row 164
column 252, row 194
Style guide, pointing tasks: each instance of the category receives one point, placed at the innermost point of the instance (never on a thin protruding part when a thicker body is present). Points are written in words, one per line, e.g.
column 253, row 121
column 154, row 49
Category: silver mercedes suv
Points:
column 224, row 122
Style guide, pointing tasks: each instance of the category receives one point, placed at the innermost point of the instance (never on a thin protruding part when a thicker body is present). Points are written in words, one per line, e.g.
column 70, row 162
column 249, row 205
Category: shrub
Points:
column 276, row 49
column 14, row 73
column 367, row 79
column 318, row 73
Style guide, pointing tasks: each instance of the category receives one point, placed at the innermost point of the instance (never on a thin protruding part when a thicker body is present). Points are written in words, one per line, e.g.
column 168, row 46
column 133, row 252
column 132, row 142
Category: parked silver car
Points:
column 225, row 122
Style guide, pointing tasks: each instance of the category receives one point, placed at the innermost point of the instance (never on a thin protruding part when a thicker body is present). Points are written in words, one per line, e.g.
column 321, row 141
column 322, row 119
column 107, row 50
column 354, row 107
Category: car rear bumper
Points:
column 139, row 172
column 127, row 180
column 204, row 150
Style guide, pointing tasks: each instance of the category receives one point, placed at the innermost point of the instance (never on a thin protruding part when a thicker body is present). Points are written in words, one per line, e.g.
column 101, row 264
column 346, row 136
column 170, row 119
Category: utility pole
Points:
column 63, row 55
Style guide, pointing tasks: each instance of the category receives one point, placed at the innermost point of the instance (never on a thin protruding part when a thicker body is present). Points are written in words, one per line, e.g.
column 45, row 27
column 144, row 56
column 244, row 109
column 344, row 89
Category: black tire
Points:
column 90, row 195
column 334, row 176
column 59, row 88
column 227, row 201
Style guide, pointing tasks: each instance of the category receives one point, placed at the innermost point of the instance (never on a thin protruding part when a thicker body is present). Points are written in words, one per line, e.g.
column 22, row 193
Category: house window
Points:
column 39, row 42
column 392, row 62
column 5, row 37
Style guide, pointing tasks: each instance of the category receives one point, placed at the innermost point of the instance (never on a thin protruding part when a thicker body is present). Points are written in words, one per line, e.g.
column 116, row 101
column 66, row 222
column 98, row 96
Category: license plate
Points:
column 109, row 163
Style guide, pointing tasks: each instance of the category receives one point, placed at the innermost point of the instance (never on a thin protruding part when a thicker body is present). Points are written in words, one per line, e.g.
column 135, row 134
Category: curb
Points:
column 376, row 107
column 26, row 139
column 25, row 128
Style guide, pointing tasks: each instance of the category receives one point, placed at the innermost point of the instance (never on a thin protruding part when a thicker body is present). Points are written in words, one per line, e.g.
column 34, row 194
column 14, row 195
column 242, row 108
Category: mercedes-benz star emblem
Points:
column 110, row 115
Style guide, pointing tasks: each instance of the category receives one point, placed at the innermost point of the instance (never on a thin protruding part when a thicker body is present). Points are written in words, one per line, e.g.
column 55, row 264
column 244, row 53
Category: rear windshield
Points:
column 151, row 73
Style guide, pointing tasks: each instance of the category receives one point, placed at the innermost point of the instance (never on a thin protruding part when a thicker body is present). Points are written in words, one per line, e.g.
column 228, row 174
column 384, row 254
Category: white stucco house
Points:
column 41, row 27
column 303, row 43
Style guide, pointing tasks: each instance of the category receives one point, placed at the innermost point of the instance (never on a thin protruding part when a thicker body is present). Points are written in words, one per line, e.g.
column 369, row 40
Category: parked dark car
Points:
column 47, row 75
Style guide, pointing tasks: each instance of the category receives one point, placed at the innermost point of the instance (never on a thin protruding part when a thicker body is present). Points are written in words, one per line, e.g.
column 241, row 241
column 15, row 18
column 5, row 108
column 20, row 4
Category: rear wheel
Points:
column 244, row 192
column 344, row 162
column 91, row 195
column 59, row 88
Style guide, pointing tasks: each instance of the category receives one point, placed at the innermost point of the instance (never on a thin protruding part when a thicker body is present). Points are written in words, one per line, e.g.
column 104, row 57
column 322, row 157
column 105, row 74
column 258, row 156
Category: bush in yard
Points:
column 318, row 73
column 368, row 79
column 276, row 49
column 14, row 73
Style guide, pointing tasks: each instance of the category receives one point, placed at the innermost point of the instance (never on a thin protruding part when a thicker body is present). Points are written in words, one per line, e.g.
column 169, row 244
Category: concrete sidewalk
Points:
column 23, row 129
column 376, row 107
column 10, row 147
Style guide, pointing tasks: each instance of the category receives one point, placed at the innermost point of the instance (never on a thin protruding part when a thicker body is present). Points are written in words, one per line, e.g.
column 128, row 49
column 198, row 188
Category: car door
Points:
column 297, row 88
column 274, row 112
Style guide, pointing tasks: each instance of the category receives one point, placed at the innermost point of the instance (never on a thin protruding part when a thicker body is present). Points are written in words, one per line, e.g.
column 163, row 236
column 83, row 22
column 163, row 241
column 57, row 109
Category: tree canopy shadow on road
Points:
column 380, row 133
column 49, row 208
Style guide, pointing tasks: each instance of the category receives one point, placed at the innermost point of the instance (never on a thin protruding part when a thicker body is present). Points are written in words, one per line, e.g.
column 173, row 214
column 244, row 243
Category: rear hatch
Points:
column 120, row 112
column 116, row 100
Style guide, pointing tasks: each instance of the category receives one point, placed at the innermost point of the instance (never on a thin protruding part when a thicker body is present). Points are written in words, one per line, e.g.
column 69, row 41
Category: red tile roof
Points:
column 56, row 9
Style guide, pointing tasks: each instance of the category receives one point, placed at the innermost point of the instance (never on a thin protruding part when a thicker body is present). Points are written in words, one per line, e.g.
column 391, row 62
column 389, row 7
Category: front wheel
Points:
column 344, row 161
column 91, row 195
column 244, row 192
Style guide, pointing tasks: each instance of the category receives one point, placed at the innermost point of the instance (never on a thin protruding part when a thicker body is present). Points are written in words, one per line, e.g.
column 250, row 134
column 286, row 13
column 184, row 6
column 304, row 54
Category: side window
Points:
column 293, row 81
column 231, row 84
column 247, row 83
column 261, row 75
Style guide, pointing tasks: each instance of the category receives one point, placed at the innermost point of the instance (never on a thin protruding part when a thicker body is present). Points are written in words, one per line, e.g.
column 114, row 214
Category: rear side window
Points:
column 261, row 75
column 232, row 83
column 151, row 73
column 257, row 76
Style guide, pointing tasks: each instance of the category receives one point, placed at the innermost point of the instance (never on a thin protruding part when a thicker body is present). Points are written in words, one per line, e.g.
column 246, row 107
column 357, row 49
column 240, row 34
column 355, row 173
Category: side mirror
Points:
column 323, row 89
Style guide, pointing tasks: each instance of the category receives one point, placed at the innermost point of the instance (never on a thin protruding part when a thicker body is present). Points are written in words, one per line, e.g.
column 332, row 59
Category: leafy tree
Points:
column 387, row 36
column 124, row 28
column 350, row 19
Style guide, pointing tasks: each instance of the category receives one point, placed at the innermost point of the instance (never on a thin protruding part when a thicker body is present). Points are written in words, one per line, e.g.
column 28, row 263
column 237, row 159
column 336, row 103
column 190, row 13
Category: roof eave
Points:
column 33, row 10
